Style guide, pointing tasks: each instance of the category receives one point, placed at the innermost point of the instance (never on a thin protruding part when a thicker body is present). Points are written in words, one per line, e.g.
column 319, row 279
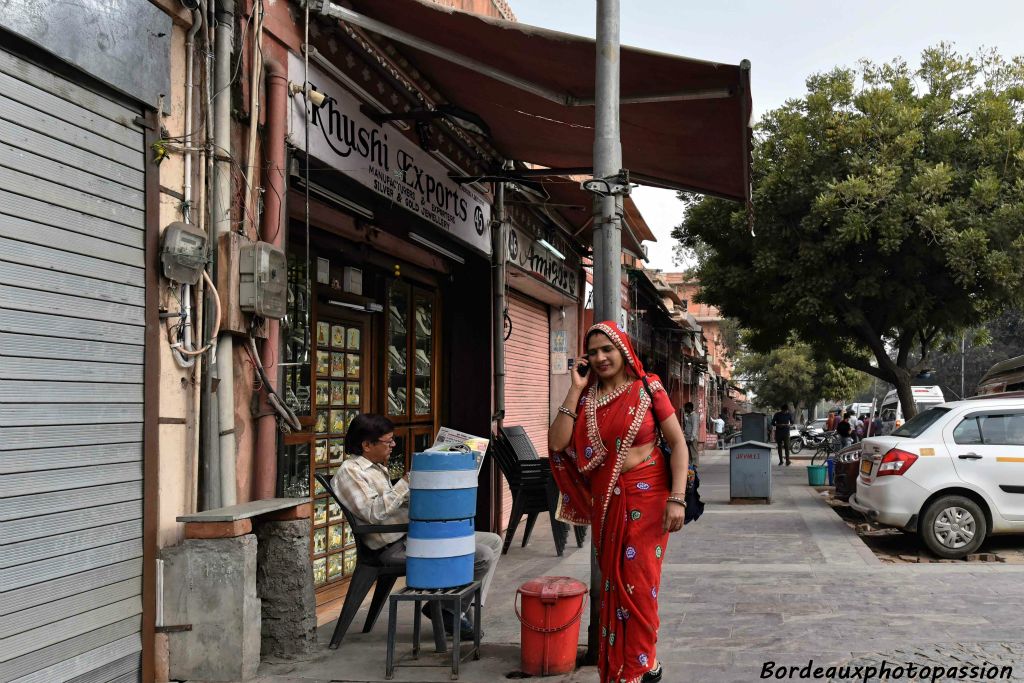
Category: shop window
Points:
column 339, row 395
column 297, row 343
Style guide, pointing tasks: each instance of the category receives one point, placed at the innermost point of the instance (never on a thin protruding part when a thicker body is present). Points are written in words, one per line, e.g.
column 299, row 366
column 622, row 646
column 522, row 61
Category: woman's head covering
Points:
column 621, row 341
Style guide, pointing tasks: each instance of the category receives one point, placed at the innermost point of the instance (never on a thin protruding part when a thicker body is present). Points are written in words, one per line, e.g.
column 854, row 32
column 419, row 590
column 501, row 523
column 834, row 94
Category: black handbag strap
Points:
column 654, row 413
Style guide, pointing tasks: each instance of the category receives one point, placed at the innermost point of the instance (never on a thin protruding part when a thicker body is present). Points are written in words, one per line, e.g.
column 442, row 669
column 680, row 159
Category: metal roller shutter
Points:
column 527, row 378
column 72, row 292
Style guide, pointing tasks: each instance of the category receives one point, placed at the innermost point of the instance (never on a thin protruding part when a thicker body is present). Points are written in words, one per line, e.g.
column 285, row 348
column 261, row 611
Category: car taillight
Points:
column 895, row 462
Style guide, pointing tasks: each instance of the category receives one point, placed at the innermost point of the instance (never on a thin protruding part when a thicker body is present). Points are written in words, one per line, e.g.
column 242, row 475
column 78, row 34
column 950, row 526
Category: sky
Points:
column 785, row 41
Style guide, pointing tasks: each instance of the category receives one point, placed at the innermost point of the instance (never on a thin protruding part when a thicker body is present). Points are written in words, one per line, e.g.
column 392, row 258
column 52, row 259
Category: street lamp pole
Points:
column 607, row 162
column 607, row 224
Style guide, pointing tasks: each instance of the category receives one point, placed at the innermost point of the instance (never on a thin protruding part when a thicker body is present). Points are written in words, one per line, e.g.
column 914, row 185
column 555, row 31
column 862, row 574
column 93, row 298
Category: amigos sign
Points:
column 381, row 158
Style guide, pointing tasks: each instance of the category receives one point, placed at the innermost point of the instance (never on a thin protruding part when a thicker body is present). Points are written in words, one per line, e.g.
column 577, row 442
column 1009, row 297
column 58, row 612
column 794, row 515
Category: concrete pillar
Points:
column 284, row 583
column 210, row 584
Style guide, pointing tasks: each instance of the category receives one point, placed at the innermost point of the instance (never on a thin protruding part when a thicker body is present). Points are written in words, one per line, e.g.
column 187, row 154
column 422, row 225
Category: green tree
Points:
column 791, row 374
column 888, row 212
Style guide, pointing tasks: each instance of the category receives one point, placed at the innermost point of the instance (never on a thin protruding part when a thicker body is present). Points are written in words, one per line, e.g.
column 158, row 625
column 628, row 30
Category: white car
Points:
column 954, row 474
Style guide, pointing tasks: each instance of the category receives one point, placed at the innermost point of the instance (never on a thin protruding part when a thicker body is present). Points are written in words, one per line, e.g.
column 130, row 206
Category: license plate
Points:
column 865, row 467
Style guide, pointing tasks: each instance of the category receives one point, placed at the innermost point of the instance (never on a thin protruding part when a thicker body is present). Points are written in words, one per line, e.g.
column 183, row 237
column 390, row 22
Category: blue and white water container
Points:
column 440, row 554
column 442, row 506
column 442, row 486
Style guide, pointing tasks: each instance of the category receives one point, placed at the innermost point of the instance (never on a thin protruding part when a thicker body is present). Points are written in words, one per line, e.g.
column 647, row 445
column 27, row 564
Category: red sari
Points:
column 626, row 510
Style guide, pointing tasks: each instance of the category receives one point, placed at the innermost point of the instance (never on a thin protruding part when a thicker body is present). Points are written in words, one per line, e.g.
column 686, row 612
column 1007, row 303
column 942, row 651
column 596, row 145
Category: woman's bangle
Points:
column 673, row 499
column 566, row 411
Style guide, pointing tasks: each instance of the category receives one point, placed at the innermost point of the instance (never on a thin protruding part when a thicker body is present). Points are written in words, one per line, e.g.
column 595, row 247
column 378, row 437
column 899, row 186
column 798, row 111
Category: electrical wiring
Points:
column 215, row 297
column 288, row 416
column 251, row 360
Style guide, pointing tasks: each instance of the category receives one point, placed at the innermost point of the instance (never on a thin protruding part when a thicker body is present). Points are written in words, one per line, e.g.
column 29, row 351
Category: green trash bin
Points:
column 816, row 475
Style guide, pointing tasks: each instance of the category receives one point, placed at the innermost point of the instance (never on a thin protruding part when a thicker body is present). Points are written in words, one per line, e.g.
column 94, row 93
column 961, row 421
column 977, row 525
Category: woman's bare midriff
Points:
column 637, row 455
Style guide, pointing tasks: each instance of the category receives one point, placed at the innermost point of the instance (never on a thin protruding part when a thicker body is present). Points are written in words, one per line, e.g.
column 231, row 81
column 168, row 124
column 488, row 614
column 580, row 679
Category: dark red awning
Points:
column 699, row 144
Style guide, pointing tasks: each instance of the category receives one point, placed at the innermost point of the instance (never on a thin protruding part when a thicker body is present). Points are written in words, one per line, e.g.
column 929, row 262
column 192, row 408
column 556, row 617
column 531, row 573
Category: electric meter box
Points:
column 183, row 255
column 262, row 282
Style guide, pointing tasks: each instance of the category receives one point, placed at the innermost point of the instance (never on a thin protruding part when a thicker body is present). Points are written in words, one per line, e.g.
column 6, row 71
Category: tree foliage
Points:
column 888, row 213
column 790, row 374
column 996, row 340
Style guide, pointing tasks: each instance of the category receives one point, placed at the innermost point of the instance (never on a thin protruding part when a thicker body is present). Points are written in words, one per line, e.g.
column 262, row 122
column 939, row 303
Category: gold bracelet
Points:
column 566, row 411
column 673, row 499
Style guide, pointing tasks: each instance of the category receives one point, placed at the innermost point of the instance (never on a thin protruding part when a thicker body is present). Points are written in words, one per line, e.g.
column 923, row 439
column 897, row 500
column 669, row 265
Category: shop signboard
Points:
column 561, row 272
column 381, row 158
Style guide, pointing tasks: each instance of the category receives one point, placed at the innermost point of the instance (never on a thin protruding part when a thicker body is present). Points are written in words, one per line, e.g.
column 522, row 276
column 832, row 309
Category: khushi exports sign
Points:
column 381, row 158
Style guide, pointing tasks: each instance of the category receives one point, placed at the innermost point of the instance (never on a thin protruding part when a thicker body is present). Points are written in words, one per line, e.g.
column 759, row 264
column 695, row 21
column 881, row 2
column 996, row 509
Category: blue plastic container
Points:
column 440, row 554
column 442, row 486
column 831, row 464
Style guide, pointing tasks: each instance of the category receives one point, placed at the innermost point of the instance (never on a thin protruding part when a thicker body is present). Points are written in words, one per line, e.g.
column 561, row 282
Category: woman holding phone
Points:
column 612, row 475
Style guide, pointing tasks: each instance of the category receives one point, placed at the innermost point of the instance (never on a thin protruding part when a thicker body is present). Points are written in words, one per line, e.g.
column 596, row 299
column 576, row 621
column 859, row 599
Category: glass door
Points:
column 410, row 369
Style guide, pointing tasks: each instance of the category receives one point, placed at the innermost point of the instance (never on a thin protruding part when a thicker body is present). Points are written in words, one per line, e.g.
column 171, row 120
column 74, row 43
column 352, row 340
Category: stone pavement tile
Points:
column 717, row 608
column 709, row 673
column 686, row 630
column 780, row 607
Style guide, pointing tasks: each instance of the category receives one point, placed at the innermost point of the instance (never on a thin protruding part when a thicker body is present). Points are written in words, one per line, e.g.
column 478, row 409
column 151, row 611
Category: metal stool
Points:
column 458, row 598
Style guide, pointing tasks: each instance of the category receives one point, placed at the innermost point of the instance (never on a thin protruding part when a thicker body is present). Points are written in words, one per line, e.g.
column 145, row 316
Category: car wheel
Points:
column 953, row 527
column 795, row 445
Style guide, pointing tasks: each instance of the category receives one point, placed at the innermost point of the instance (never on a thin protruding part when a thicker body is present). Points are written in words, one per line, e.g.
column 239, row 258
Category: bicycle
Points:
column 827, row 449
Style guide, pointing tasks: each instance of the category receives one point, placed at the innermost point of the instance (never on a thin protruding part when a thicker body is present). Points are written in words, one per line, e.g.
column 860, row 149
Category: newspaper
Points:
column 450, row 440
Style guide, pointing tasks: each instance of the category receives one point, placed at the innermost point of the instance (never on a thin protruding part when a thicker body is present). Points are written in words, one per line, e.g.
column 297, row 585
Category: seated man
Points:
column 363, row 485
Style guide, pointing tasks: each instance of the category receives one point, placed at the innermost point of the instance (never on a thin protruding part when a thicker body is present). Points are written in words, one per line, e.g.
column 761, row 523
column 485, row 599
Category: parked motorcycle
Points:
column 807, row 435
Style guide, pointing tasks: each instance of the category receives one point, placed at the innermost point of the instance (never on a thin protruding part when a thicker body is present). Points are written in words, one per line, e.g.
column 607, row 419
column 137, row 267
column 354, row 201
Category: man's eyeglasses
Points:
column 389, row 442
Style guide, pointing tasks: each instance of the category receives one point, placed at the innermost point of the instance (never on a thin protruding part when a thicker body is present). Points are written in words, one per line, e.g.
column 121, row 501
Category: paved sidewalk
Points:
column 746, row 585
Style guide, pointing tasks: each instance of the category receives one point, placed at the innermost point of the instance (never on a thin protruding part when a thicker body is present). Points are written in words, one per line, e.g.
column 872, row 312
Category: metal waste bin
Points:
column 750, row 472
column 755, row 427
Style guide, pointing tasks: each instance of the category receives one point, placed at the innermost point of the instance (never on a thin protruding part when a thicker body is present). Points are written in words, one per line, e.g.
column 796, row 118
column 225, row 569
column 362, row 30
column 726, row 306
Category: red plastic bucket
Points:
column 550, row 618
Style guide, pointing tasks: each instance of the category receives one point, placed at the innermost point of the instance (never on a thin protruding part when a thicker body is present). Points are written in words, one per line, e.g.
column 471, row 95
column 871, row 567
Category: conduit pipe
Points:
column 256, row 75
column 275, row 158
column 221, row 224
column 208, row 426
column 179, row 349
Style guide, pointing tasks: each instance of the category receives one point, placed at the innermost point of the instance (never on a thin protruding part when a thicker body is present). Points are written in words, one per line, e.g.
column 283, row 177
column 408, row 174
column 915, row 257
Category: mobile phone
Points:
column 582, row 369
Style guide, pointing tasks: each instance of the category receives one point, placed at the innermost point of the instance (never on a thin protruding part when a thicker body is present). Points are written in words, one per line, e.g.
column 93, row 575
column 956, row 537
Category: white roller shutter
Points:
column 72, row 297
column 527, row 378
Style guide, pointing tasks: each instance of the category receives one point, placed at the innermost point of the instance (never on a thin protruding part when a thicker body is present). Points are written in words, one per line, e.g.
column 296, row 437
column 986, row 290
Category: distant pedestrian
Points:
column 845, row 431
column 720, row 432
column 690, row 431
column 782, row 421
column 832, row 421
column 876, row 426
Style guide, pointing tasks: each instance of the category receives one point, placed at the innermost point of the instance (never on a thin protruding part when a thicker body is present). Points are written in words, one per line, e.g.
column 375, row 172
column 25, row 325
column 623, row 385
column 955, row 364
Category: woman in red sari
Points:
column 613, row 476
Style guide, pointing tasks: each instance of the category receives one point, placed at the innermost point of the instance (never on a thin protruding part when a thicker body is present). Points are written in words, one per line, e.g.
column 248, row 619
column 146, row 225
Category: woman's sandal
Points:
column 652, row 676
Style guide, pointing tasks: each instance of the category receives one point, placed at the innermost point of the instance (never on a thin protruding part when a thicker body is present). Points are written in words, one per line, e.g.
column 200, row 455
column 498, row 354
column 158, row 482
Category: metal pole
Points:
column 607, row 224
column 498, row 258
column 224, row 369
column 607, row 162
column 498, row 284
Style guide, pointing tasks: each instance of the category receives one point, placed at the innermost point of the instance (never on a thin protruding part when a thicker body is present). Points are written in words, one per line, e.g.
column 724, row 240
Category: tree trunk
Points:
column 906, row 393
